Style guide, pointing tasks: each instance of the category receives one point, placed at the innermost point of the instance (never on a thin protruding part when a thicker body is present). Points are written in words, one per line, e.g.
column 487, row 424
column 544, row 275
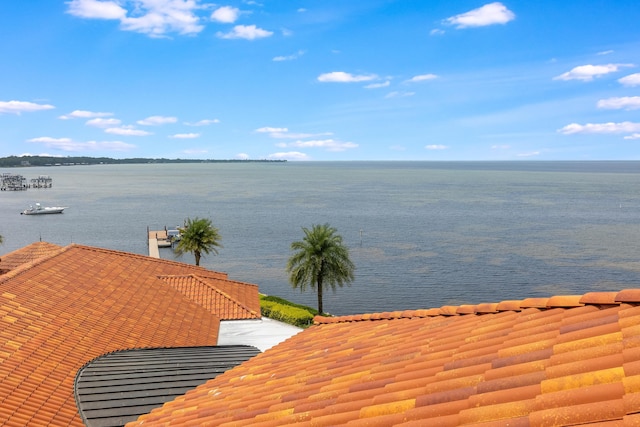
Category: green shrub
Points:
column 286, row 313
column 285, row 302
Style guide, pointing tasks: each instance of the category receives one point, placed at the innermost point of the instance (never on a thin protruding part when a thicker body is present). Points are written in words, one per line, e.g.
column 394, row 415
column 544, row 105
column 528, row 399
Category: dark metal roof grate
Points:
column 118, row 387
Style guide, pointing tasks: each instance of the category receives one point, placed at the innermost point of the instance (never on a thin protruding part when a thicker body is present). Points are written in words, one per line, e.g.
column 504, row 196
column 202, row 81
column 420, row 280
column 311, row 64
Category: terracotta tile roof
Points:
column 564, row 360
column 62, row 310
column 227, row 299
column 27, row 255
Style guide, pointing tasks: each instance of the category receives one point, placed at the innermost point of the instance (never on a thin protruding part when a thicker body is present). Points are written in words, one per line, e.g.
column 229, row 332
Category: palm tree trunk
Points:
column 320, row 295
column 197, row 255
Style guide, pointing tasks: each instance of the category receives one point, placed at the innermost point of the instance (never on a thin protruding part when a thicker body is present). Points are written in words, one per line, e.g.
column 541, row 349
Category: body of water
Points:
column 421, row 234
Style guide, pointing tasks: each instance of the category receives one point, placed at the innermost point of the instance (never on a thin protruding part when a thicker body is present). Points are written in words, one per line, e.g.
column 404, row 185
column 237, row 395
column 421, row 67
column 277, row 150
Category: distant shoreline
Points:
column 30, row 161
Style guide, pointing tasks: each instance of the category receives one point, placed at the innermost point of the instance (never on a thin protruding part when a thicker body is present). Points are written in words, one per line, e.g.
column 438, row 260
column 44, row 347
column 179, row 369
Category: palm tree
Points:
column 198, row 236
column 321, row 259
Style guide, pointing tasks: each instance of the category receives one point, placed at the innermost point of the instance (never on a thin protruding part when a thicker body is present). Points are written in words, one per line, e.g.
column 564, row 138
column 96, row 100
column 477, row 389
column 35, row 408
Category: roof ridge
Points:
column 37, row 261
column 29, row 264
column 224, row 294
column 145, row 257
column 630, row 296
column 214, row 288
column 231, row 281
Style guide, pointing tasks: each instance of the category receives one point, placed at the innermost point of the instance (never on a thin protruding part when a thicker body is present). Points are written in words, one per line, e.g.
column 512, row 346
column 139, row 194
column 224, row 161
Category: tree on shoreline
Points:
column 320, row 259
column 198, row 236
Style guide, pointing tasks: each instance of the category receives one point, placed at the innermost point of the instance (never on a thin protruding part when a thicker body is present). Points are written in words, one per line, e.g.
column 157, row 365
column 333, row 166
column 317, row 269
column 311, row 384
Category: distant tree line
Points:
column 25, row 161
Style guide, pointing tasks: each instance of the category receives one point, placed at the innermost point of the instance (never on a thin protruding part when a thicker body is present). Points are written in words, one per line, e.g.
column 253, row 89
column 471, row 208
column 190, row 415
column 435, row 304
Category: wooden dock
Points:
column 157, row 239
column 11, row 182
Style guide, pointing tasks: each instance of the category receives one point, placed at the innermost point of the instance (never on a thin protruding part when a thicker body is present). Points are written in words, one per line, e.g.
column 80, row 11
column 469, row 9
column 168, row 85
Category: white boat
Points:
column 42, row 210
column 174, row 235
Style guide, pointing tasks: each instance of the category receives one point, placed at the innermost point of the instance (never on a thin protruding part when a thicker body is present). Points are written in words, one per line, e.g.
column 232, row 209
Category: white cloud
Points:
column 185, row 135
column 283, row 133
column 242, row 156
column 247, row 32
column 625, row 102
column 587, row 73
column 529, row 154
column 195, row 151
column 268, row 129
column 205, row 122
column 127, row 131
column 630, row 80
column 289, row 57
column 377, row 85
column 225, row 14
column 342, row 77
column 633, row 136
column 421, row 78
column 299, row 135
column 152, row 17
column 398, row 94
column 500, row 147
column 489, row 14
column 50, row 140
column 160, row 22
column 605, row 52
column 157, row 120
column 81, row 114
column 18, row 107
column 109, row 145
column 436, row 32
column 291, row 155
column 100, row 122
column 288, row 135
column 67, row 144
column 600, row 128
column 436, row 147
column 328, row 144
column 95, row 9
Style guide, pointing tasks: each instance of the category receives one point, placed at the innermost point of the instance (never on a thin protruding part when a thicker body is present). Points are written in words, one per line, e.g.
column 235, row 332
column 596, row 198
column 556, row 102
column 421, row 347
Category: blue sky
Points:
column 321, row 80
